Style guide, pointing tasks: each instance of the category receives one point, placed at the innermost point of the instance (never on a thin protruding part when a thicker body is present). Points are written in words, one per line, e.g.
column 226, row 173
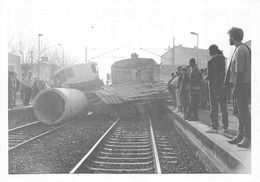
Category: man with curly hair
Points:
column 239, row 73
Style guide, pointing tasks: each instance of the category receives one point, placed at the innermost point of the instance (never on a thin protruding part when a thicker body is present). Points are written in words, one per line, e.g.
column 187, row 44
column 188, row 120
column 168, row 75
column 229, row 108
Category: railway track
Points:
column 125, row 148
column 24, row 134
column 167, row 153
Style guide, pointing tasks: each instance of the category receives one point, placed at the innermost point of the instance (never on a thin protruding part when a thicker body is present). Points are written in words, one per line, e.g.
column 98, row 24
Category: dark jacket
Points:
column 216, row 71
column 184, row 85
column 195, row 81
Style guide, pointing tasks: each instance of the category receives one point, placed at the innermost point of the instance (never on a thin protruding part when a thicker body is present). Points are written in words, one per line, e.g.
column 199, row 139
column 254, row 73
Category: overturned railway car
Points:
column 83, row 76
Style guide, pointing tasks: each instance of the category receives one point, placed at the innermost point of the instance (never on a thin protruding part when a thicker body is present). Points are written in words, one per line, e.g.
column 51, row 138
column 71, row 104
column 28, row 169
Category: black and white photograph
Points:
column 129, row 90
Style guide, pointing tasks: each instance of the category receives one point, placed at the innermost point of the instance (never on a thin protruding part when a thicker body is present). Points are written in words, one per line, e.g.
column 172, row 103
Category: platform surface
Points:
column 242, row 155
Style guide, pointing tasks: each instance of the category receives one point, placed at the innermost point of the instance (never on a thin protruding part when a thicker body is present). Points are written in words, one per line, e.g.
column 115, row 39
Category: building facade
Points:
column 14, row 64
column 179, row 56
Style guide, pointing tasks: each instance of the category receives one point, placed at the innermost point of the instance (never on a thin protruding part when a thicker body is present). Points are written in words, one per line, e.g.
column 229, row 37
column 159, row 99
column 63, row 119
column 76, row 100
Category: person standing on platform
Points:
column 184, row 92
column 203, row 96
column 239, row 73
column 16, row 89
column 188, row 69
column 207, row 90
column 194, row 90
column 10, row 90
column 28, row 83
column 179, row 106
column 206, row 71
column 175, row 84
column 215, row 77
column 22, row 88
column 171, row 89
column 14, row 85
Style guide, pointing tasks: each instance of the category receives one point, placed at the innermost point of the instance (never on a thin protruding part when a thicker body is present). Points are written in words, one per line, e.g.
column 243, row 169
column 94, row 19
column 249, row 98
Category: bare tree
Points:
column 28, row 50
column 23, row 47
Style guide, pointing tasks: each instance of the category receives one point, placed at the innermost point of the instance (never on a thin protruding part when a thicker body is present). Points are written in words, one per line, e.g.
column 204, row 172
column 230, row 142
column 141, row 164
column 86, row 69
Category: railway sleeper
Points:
column 127, row 150
column 102, row 170
column 130, row 140
column 127, row 146
column 129, row 154
column 123, row 163
column 168, row 153
column 123, row 158
column 128, row 143
column 130, row 137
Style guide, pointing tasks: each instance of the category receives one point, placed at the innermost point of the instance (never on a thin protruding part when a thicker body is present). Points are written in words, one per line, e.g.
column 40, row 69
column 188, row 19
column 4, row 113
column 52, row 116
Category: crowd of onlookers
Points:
column 186, row 83
column 27, row 88
column 216, row 85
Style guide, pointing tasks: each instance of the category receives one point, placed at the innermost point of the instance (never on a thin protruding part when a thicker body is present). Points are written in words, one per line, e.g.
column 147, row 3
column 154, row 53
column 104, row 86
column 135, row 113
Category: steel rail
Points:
column 156, row 156
column 36, row 137
column 23, row 126
column 93, row 148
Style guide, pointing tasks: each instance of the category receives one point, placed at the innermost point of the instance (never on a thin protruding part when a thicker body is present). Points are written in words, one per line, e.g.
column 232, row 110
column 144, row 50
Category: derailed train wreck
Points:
column 133, row 80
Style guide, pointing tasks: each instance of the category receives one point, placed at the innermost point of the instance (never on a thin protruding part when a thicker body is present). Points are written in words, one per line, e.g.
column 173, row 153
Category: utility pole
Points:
column 62, row 53
column 86, row 54
column 31, row 57
column 39, row 54
column 194, row 33
column 173, row 51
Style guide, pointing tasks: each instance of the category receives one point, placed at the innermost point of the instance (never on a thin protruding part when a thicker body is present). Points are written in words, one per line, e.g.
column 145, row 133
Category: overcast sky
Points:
column 103, row 25
column 129, row 25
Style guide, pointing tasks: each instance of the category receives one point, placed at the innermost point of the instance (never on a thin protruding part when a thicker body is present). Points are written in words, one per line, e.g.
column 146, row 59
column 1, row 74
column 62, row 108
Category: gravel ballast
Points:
column 59, row 151
column 186, row 160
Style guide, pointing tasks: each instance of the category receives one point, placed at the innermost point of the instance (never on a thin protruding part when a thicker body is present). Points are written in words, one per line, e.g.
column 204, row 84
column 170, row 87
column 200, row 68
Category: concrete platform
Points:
column 19, row 105
column 214, row 149
column 20, row 115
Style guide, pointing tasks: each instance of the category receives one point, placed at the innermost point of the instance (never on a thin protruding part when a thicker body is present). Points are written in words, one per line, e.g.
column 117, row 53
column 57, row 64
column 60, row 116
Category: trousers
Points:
column 218, row 96
column 242, row 101
column 192, row 112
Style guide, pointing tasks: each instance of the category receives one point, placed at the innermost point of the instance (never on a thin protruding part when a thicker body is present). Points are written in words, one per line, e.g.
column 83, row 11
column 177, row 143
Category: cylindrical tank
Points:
column 55, row 105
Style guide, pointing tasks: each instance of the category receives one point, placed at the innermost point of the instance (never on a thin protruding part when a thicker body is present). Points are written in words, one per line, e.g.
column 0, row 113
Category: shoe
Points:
column 182, row 115
column 245, row 143
column 225, row 130
column 194, row 119
column 187, row 117
column 235, row 140
column 225, row 127
column 212, row 130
